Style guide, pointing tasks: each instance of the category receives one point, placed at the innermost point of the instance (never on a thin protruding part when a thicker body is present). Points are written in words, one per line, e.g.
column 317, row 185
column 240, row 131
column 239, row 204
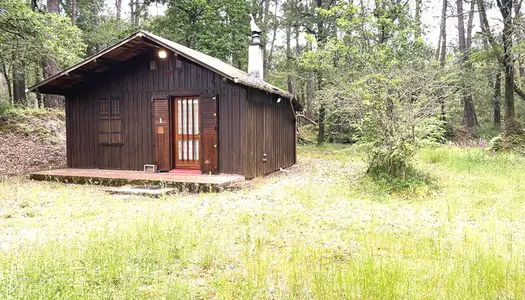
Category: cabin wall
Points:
column 136, row 84
column 270, row 130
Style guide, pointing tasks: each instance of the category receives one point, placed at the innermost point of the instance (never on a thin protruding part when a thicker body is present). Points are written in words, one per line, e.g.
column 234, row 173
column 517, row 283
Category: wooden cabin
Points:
column 149, row 101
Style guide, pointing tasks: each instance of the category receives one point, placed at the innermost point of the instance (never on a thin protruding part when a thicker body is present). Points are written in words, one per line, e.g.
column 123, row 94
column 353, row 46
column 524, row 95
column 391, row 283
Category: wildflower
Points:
column 482, row 143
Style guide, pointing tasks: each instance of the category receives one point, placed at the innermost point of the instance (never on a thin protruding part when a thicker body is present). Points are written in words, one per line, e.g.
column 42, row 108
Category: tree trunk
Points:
column 418, row 19
column 443, row 34
column 132, row 11
column 511, row 124
column 53, row 6
column 496, row 103
column 469, row 113
column 322, row 115
column 320, row 45
column 5, row 72
column 289, row 56
column 272, row 44
column 74, row 12
column 309, row 95
column 118, row 8
column 19, row 81
column 50, row 66
column 441, row 54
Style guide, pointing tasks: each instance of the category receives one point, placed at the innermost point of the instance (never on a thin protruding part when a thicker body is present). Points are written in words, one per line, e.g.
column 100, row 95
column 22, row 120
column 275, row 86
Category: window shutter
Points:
column 109, row 121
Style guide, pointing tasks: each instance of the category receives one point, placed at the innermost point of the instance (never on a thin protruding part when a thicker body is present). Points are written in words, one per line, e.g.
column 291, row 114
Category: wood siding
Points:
column 250, row 122
column 137, row 85
column 270, row 134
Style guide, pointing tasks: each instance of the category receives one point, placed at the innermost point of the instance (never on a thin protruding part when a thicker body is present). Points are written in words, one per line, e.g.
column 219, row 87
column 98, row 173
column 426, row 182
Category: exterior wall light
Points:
column 162, row 54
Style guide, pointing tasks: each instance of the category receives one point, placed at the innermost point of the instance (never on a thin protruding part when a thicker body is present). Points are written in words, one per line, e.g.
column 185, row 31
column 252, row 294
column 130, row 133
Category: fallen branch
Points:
column 308, row 119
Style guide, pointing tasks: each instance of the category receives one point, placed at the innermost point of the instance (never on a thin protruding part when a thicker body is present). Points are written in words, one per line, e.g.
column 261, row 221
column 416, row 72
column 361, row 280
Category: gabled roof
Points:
column 135, row 45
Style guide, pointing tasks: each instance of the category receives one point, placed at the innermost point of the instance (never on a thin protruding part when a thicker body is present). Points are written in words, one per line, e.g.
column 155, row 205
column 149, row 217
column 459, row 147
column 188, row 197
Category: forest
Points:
column 391, row 73
column 409, row 179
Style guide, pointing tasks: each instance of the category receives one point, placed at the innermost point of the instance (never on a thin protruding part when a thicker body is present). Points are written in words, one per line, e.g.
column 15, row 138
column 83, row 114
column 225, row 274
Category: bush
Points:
column 402, row 114
column 5, row 107
column 495, row 143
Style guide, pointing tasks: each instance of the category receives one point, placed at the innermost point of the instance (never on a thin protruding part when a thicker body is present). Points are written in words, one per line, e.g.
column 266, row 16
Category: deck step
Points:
column 140, row 191
column 193, row 183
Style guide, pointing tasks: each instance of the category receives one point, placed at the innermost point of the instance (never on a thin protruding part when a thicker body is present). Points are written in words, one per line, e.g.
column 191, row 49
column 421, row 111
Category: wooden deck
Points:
column 182, row 181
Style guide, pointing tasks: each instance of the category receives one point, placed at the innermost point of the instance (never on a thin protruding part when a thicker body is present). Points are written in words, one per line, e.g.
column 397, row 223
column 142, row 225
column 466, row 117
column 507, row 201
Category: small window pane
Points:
column 196, row 116
column 196, row 147
column 103, row 126
column 104, row 107
column 103, row 138
column 115, row 107
column 185, row 116
column 179, row 118
column 185, row 150
column 190, row 150
column 116, row 138
column 116, row 126
column 179, row 148
column 190, row 116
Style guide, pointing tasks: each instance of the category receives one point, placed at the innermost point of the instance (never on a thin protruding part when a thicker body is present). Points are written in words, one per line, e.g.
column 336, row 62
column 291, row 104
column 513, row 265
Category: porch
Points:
column 186, row 181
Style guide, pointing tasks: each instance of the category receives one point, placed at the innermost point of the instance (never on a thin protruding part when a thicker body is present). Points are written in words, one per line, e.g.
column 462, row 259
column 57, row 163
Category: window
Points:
column 109, row 121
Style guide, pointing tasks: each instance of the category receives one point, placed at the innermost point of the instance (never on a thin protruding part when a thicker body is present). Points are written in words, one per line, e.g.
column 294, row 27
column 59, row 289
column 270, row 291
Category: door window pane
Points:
column 179, row 147
column 179, row 116
column 196, row 146
column 196, row 116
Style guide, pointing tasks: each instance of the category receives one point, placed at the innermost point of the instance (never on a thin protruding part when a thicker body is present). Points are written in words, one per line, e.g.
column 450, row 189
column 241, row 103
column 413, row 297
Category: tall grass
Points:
column 326, row 231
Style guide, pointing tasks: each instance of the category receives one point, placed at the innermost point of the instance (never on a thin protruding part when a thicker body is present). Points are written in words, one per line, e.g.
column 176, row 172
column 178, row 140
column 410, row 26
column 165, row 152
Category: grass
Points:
column 322, row 230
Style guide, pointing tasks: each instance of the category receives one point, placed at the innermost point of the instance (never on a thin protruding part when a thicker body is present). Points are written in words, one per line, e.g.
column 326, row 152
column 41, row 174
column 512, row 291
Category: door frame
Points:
column 173, row 137
column 170, row 96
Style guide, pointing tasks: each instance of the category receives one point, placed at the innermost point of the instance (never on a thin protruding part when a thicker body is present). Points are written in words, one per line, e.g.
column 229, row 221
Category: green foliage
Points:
column 218, row 28
column 5, row 108
column 401, row 114
column 105, row 32
column 495, row 143
column 33, row 36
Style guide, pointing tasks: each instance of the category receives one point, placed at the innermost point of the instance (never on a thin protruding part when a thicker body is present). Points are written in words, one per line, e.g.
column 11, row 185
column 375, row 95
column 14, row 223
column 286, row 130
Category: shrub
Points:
column 402, row 114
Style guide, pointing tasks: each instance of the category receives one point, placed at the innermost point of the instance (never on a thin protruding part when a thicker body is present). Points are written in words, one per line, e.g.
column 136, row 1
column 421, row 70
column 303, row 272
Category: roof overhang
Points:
column 130, row 47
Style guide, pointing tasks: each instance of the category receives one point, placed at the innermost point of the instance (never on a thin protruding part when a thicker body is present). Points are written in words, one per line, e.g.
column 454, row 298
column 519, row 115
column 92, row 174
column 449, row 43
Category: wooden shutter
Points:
column 209, row 135
column 115, row 121
column 109, row 121
column 103, row 121
column 161, row 133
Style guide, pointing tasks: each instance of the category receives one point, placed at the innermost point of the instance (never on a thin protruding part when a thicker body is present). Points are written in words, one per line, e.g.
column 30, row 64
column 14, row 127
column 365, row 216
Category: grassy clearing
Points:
column 321, row 230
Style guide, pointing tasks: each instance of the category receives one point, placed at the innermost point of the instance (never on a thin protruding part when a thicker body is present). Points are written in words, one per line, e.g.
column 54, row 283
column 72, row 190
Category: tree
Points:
column 50, row 65
column 28, row 37
column 217, row 28
column 511, row 124
column 469, row 113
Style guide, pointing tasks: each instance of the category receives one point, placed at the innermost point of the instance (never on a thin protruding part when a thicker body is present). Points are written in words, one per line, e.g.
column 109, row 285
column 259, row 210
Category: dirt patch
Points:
column 31, row 142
